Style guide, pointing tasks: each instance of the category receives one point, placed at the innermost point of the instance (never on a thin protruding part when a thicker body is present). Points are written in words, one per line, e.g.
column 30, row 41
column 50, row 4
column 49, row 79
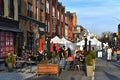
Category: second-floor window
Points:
column 46, row 26
column 47, row 6
column 1, row 7
column 10, row 8
column 36, row 9
column 29, row 9
column 61, row 17
column 53, row 11
column 19, row 6
column 41, row 5
column 41, row 15
column 58, row 15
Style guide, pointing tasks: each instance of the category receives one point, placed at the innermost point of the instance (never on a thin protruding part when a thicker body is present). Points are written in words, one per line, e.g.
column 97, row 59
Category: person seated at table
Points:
column 71, row 61
column 30, row 55
column 25, row 57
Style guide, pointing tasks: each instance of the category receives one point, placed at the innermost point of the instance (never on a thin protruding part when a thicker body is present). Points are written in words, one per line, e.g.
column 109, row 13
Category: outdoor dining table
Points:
column 21, row 63
column 30, row 63
column 26, row 62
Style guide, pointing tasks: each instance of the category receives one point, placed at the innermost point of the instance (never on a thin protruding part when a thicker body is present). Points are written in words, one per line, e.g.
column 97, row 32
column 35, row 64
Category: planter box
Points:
column 10, row 67
column 48, row 69
column 89, row 70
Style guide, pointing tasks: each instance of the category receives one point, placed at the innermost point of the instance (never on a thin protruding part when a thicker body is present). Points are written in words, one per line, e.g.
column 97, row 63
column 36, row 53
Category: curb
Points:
column 93, row 75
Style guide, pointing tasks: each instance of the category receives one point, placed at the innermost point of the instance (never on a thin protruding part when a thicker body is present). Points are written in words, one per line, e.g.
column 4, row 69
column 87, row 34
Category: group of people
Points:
column 27, row 55
column 60, row 56
column 65, row 56
column 113, row 51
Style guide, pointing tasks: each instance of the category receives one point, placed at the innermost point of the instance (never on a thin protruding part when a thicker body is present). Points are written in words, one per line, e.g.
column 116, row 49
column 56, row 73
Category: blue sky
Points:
column 95, row 15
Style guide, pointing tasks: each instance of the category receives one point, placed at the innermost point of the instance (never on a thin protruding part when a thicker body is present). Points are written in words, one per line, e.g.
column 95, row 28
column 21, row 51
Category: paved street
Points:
column 107, row 70
column 65, row 75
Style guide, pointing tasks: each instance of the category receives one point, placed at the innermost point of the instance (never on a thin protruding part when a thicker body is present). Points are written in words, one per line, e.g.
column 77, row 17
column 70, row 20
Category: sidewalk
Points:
column 106, row 70
column 15, row 75
column 64, row 75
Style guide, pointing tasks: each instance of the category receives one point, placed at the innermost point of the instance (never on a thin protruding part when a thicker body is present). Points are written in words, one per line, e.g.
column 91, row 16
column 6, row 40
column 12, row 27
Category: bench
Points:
column 48, row 69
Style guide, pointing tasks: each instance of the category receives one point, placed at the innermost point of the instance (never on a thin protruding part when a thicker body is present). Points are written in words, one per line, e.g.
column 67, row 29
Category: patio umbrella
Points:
column 51, row 46
column 57, row 47
column 40, row 45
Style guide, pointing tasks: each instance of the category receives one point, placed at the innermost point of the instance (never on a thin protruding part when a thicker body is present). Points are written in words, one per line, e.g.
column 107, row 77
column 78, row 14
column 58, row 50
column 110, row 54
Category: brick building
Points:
column 55, row 18
column 32, row 23
column 69, row 17
column 9, row 27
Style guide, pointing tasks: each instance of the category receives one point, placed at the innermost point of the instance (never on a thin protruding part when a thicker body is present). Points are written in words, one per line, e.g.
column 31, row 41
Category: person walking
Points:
column 118, row 54
column 62, row 58
column 109, row 53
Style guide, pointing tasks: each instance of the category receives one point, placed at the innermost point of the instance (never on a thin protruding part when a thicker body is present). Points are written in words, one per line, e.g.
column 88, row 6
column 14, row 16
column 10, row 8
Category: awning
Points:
column 10, row 29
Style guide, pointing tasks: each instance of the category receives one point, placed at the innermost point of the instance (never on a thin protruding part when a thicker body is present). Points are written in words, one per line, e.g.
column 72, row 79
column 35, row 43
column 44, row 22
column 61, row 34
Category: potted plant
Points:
column 89, row 65
column 10, row 61
column 43, row 62
column 93, row 54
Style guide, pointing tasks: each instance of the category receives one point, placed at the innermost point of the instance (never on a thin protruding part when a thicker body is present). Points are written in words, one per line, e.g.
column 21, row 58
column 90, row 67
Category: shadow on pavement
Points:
column 45, row 77
column 111, row 77
column 116, row 64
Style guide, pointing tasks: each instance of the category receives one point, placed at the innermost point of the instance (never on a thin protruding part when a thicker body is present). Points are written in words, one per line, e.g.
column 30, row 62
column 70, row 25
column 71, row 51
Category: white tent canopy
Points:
column 68, row 43
column 65, row 40
column 56, row 39
column 94, row 42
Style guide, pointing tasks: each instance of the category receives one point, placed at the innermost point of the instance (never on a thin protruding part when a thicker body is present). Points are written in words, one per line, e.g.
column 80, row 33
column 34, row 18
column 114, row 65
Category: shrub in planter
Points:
column 10, row 61
column 89, row 65
column 43, row 62
column 88, row 60
column 93, row 54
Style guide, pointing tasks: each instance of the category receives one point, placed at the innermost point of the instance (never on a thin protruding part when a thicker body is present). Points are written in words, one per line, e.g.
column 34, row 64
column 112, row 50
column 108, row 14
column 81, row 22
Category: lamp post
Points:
column 48, row 47
column 85, row 45
column 89, row 45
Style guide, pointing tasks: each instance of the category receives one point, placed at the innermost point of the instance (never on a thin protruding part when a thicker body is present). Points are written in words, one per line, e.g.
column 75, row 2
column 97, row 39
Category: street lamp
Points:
column 48, row 47
column 89, row 45
column 85, row 37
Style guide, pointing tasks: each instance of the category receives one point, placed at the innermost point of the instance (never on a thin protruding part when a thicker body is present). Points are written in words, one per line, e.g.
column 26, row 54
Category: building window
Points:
column 30, row 40
column 36, row 2
column 58, row 15
column 19, row 6
column 29, row 9
column 36, row 8
column 30, row 1
column 41, row 5
column 53, row 11
column 46, row 26
column 10, row 8
column 41, row 15
column 1, row 7
column 61, row 17
column 6, row 43
column 47, row 6
column 35, row 12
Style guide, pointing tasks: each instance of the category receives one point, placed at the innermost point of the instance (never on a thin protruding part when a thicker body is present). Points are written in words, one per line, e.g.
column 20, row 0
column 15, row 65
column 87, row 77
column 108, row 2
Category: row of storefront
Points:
column 12, row 38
